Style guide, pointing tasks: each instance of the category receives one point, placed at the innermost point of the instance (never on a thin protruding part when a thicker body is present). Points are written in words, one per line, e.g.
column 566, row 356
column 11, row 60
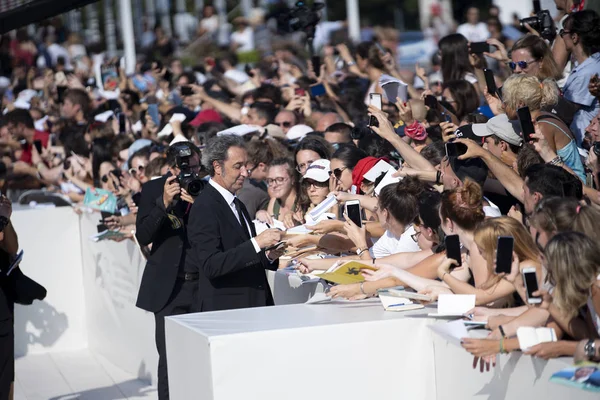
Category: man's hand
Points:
column 385, row 128
column 473, row 149
column 269, row 238
column 275, row 253
column 448, row 129
column 549, row 350
column 185, row 196
column 171, row 190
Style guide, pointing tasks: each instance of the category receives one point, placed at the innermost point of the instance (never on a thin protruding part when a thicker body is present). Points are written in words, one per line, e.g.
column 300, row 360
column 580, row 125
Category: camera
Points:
column 596, row 149
column 302, row 17
column 188, row 179
column 543, row 23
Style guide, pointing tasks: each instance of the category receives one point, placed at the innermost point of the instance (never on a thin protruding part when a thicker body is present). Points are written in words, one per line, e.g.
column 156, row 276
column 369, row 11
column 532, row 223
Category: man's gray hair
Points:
column 216, row 150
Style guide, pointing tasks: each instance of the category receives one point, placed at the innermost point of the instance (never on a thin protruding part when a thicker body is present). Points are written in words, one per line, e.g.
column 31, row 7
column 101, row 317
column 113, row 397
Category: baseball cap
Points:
column 297, row 132
column 473, row 168
column 319, row 171
column 501, row 127
column 206, row 116
column 466, row 132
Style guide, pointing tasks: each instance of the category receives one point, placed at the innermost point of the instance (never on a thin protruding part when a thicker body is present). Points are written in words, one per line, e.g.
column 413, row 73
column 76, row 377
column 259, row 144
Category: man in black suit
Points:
column 168, row 285
column 230, row 257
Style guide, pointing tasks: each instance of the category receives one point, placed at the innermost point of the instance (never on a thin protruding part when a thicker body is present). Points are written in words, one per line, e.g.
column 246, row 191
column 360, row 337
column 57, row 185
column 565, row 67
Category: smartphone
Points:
column 122, row 123
column 154, row 114
column 375, row 100
column 527, row 127
column 490, row 81
column 316, row 62
column 186, row 91
column 455, row 149
column 300, row 92
column 447, row 117
column 276, row 246
column 380, row 48
column 248, row 71
column 431, row 102
column 537, row 7
column 504, row 251
column 38, row 146
column 101, row 228
column 480, row 47
column 531, row 285
column 317, row 90
column 61, row 90
column 52, row 138
column 453, row 249
column 136, row 198
column 353, row 212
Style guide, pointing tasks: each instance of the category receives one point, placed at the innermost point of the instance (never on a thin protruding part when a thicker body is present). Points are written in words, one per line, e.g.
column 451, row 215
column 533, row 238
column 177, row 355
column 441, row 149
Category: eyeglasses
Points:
column 279, row 181
column 140, row 169
column 285, row 124
column 562, row 33
column 317, row 185
column 303, row 167
column 522, row 64
column 415, row 236
column 338, row 172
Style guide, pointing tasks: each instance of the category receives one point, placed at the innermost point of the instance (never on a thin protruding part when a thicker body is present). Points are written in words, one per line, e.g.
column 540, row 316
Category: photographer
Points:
column 167, row 288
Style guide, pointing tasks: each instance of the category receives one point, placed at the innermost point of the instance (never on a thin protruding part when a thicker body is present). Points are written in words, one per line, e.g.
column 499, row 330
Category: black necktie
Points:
column 238, row 207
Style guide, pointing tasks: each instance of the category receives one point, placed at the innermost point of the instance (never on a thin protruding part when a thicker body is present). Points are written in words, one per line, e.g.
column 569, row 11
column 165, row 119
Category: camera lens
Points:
column 597, row 148
column 195, row 186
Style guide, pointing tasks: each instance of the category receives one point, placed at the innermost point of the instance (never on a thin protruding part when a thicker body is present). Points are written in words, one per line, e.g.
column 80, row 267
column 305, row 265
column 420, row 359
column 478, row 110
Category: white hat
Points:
column 501, row 127
column 318, row 171
column 297, row 132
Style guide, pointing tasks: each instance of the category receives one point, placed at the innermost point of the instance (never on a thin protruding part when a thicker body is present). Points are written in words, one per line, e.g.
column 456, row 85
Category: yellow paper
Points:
column 347, row 273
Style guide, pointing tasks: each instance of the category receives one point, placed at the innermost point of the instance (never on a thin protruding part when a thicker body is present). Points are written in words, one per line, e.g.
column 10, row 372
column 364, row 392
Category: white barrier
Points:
column 92, row 288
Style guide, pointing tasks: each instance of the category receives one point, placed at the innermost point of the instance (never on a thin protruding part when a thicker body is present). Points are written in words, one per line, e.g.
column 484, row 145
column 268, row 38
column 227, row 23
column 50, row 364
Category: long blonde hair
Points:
column 486, row 237
column 527, row 90
column 573, row 263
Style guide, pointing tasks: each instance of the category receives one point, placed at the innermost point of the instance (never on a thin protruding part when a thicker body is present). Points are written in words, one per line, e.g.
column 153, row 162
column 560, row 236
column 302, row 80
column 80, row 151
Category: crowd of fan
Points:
column 540, row 190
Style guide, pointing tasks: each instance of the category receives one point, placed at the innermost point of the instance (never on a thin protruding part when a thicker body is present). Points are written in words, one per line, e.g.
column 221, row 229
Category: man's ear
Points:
column 217, row 167
column 537, row 196
column 503, row 146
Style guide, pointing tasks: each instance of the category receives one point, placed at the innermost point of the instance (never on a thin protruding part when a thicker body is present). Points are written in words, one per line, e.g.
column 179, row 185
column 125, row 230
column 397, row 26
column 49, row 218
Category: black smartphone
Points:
column 122, row 123
column 316, row 62
column 38, row 146
column 354, row 213
column 453, row 249
column 531, row 285
column 447, row 117
column 248, row 71
column 61, row 90
column 527, row 127
column 504, row 251
column 317, row 90
column 490, row 81
column 136, row 198
column 186, row 91
column 101, row 228
column 480, row 47
column 455, row 149
column 431, row 102
column 537, row 7
column 276, row 246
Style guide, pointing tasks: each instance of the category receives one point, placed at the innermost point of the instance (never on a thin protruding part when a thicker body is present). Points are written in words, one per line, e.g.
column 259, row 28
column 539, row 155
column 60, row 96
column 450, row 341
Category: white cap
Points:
column 297, row 132
column 501, row 127
column 318, row 171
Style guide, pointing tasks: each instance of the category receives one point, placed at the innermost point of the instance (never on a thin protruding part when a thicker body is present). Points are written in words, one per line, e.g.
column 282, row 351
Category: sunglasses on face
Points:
column 285, row 124
column 338, row 172
column 139, row 169
column 521, row 64
column 562, row 33
column 317, row 185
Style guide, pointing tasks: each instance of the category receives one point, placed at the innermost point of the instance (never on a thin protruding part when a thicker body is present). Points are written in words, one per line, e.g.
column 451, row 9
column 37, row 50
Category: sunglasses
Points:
column 140, row 169
column 562, row 32
column 522, row 64
column 338, row 172
column 285, row 124
column 317, row 185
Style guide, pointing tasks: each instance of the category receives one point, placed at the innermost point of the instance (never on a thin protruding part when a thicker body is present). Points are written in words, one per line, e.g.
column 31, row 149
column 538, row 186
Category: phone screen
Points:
column 353, row 211
column 479, row 47
column 60, row 91
column 317, row 90
column 531, row 284
column 526, row 124
column 504, row 252
column 375, row 100
column 38, row 146
column 431, row 102
column 122, row 123
column 537, row 7
column 186, row 91
column 490, row 81
column 453, row 248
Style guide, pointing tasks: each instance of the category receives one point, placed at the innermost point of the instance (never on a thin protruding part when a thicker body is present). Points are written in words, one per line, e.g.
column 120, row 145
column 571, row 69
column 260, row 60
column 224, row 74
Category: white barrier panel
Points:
column 50, row 240
column 117, row 329
column 92, row 289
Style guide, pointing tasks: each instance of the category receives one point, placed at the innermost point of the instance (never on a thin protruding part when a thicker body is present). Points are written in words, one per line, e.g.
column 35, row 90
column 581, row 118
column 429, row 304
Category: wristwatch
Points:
column 590, row 349
column 359, row 251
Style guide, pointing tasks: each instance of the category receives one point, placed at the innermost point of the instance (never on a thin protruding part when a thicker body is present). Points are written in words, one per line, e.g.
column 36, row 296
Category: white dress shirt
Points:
column 229, row 198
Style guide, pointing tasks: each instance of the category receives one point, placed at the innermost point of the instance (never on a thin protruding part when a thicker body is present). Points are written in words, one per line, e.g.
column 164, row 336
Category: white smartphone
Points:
column 531, row 285
column 353, row 212
column 375, row 100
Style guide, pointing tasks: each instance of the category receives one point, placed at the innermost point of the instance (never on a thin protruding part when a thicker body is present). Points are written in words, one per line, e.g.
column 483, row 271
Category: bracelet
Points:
column 362, row 288
column 556, row 161
column 373, row 261
column 438, row 176
column 501, row 329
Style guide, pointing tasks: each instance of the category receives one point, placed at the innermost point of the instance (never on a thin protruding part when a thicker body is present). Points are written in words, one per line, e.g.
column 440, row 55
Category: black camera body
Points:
column 543, row 23
column 188, row 179
column 302, row 17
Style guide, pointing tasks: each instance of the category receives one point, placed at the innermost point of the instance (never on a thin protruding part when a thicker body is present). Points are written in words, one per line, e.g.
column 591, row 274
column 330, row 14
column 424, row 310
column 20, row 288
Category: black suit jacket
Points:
column 155, row 225
column 232, row 274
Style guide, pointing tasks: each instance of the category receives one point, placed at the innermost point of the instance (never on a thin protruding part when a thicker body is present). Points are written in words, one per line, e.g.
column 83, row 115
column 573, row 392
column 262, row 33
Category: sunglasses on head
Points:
column 522, row 64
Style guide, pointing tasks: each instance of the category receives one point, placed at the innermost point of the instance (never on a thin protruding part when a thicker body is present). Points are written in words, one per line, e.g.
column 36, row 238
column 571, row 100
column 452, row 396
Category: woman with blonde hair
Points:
column 527, row 91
